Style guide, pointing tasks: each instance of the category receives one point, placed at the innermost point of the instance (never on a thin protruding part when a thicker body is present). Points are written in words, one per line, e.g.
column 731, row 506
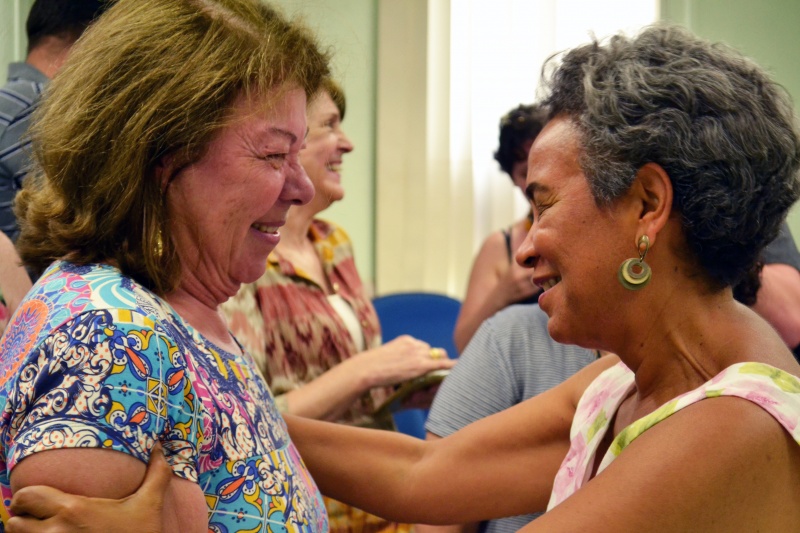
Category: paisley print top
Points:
column 92, row 359
column 774, row 390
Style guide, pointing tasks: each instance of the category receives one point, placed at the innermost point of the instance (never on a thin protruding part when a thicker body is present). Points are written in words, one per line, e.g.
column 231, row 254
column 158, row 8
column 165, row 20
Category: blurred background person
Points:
column 496, row 281
column 14, row 281
column 52, row 28
column 308, row 321
column 154, row 198
column 778, row 294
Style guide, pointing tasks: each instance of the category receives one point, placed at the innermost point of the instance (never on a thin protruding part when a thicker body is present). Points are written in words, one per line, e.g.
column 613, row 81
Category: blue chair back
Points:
column 430, row 317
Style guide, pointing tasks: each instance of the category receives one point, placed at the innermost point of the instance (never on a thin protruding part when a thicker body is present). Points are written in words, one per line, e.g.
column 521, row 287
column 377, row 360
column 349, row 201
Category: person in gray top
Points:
column 52, row 28
column 778, row 297
column 510, row 359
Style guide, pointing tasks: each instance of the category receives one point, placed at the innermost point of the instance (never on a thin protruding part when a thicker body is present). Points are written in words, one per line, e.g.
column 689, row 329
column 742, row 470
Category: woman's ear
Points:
column 653, row 192
column 164, row 171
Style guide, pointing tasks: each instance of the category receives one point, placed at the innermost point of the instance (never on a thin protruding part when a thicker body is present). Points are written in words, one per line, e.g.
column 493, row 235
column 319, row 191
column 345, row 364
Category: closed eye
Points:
column 537, row 209
column 276, row 161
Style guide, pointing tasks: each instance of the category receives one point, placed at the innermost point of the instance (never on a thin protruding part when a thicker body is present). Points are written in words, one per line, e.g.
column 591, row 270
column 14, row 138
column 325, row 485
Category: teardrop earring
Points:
column 634, row 273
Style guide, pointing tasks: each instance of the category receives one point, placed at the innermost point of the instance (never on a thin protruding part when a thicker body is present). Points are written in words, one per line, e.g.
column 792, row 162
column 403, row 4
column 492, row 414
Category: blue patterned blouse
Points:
column 92, row 359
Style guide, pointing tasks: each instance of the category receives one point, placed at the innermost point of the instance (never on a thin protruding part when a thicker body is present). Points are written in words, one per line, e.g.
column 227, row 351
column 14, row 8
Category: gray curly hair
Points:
column 721, row 129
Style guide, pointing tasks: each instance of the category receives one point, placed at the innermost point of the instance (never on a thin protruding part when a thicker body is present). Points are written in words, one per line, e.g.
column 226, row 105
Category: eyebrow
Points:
column 532, row 188
column 284, row 133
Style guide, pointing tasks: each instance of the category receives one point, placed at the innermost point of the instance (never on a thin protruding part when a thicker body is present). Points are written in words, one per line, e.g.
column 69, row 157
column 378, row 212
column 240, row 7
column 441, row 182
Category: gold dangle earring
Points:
column 634, row 273
column 159, row 247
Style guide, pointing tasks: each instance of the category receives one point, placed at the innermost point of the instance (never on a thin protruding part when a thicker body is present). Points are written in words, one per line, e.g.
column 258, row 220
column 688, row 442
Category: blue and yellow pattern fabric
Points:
column 92, row 359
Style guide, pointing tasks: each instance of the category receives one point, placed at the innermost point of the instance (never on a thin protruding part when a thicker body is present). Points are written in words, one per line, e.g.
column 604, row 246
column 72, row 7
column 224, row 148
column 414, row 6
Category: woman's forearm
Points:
column 501, row 465
column 330, row 395
column 370, row 469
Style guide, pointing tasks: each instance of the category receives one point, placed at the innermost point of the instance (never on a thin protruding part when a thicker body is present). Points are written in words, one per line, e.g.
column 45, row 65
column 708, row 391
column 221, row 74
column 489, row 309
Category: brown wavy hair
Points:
column 151, row 78
column 335, row 91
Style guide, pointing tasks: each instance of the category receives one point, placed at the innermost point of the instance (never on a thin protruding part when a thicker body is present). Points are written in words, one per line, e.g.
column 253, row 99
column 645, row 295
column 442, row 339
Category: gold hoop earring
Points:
column 634, row 273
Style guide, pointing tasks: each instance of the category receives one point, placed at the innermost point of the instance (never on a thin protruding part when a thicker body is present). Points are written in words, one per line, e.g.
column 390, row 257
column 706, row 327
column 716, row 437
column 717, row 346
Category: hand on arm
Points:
column 40, row 508
column 332, row 393
column 494, row 284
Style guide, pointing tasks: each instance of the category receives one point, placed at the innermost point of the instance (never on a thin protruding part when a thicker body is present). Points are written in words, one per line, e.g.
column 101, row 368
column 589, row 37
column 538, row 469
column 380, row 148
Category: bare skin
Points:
column 41, row 506
column 777, row 301
column 494, row 283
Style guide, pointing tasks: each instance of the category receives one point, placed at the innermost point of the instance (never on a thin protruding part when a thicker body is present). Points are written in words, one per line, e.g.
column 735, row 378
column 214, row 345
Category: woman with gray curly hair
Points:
column 668, row 164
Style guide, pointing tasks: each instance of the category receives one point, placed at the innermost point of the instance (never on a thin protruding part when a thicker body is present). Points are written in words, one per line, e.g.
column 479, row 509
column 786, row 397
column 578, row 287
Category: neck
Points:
column 203, row 317
column 689, row 338
column 49, row 55
column 294, row 235
column 198, row 303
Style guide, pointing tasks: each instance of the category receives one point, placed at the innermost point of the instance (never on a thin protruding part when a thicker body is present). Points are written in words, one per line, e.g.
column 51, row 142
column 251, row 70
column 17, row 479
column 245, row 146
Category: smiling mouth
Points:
column 333, row 167
column 550, row 283
column 265, row 229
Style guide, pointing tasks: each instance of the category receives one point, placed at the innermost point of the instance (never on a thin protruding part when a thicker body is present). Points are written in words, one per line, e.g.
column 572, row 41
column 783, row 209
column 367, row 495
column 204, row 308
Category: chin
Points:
column 558, row 332
column 334, row 195
column 252, row 272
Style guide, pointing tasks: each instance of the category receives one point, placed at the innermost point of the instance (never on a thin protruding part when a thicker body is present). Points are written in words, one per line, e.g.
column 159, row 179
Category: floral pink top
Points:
column 776, row 391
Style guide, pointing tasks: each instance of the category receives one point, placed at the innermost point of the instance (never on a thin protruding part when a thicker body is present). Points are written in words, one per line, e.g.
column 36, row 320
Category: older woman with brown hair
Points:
column 167, row 151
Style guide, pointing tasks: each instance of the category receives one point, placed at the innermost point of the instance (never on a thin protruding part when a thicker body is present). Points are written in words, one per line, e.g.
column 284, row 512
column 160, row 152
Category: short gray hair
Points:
column 721, row 129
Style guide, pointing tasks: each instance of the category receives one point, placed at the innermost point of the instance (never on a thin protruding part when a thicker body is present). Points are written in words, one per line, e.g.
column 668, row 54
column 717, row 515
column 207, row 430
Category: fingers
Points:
column 156, row 479
column 43, row 509
column 38, row 501
column 437, row 353
column 24, row 524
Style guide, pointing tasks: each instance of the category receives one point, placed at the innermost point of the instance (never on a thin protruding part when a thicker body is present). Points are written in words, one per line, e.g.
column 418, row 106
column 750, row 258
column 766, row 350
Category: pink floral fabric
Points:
column 776, row 391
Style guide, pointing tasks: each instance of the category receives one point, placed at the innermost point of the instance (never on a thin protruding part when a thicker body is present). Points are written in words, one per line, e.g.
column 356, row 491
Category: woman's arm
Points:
column 331, row 394
column 499, row 466
column 94, row 473
column 471, row 527
column 14, row 280
column 778, row 300
column 40, row 508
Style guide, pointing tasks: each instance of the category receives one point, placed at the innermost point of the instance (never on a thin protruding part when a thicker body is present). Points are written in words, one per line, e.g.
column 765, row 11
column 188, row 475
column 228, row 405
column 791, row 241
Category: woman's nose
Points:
column 298, row 188
column 344, row 143
column 526, row 253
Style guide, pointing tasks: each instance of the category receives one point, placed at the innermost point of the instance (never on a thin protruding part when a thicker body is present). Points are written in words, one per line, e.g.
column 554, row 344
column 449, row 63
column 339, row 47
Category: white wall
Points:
column 12, row 32
column 768, row 31
column 349, row 28
column 447, row 71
